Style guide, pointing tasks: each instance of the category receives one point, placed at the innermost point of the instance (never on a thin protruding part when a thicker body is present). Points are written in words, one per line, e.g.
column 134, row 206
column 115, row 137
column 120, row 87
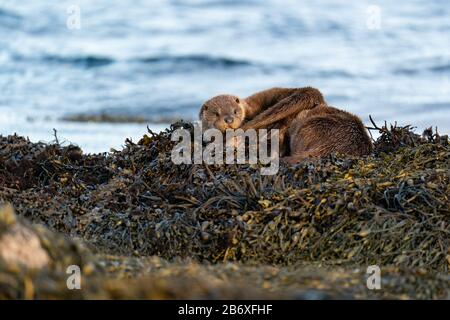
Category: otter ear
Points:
column 202, row 109
column 237, row 100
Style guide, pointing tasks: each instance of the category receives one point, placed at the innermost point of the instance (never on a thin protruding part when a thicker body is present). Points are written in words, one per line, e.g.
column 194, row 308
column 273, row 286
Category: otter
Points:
column 258, row 110
column 223, row 112
column 324, row 130
column 308, row 126
column 274, row 108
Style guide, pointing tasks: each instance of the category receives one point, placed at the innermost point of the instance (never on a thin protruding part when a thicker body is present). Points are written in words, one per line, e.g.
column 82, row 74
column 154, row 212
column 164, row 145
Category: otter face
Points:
column 222, row 112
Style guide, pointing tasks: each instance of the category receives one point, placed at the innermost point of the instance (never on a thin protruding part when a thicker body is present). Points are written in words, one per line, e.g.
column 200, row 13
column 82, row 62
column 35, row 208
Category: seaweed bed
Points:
column 141, row 227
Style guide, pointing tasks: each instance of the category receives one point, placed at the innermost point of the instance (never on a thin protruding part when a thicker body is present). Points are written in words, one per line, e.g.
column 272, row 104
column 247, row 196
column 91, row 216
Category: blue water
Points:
column 155, row 57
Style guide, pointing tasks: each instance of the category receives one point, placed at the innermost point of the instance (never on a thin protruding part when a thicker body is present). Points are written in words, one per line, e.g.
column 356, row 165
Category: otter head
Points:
column 223, row 112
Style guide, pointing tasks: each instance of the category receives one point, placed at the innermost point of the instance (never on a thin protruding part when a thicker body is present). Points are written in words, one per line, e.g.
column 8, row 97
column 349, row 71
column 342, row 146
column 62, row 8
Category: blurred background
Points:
column 101, row 71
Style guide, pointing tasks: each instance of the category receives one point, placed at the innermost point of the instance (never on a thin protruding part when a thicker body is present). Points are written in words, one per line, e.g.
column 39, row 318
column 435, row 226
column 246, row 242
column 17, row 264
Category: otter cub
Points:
column 223, row 112
column 274, row 108
column 258, row 110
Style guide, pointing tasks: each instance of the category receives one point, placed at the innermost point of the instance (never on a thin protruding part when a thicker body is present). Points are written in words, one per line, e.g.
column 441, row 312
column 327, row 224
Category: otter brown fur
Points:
column 274, row 108
column 260, row 109
column 223, row 112
column 325, row 130
column 308, row 126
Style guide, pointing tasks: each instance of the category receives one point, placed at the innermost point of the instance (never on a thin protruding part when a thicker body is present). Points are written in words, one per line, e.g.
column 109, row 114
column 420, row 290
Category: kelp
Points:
column 389, row 209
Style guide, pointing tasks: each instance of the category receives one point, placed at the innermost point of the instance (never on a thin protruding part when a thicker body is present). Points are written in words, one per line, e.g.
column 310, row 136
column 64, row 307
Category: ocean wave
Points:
column 83, row 61
column 93, row 61
column 9, row 14
column 196, row 60
column 441, row 68
column 436, row 68
column 9, row 19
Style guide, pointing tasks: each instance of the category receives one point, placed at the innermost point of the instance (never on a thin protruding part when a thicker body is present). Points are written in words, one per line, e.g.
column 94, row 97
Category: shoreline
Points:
column 135, row 222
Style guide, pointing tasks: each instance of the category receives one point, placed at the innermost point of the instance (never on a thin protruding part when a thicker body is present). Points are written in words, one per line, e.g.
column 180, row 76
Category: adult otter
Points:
column 308, row 127
column 324, row 130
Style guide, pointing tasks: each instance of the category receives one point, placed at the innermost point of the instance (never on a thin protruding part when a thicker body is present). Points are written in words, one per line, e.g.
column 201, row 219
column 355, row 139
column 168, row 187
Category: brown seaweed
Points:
column 391, row 209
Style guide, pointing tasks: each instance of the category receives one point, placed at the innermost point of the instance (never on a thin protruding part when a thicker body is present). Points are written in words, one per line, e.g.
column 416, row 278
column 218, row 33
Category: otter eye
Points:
column 237, row 100
column 235, row 111
column 217, row 114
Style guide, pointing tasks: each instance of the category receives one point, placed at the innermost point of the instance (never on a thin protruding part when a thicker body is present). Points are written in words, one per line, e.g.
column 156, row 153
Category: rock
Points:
column 19, row 244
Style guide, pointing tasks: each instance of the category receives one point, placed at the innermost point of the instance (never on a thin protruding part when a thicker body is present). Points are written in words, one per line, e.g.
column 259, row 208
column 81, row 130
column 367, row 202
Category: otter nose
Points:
column 229, row 120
